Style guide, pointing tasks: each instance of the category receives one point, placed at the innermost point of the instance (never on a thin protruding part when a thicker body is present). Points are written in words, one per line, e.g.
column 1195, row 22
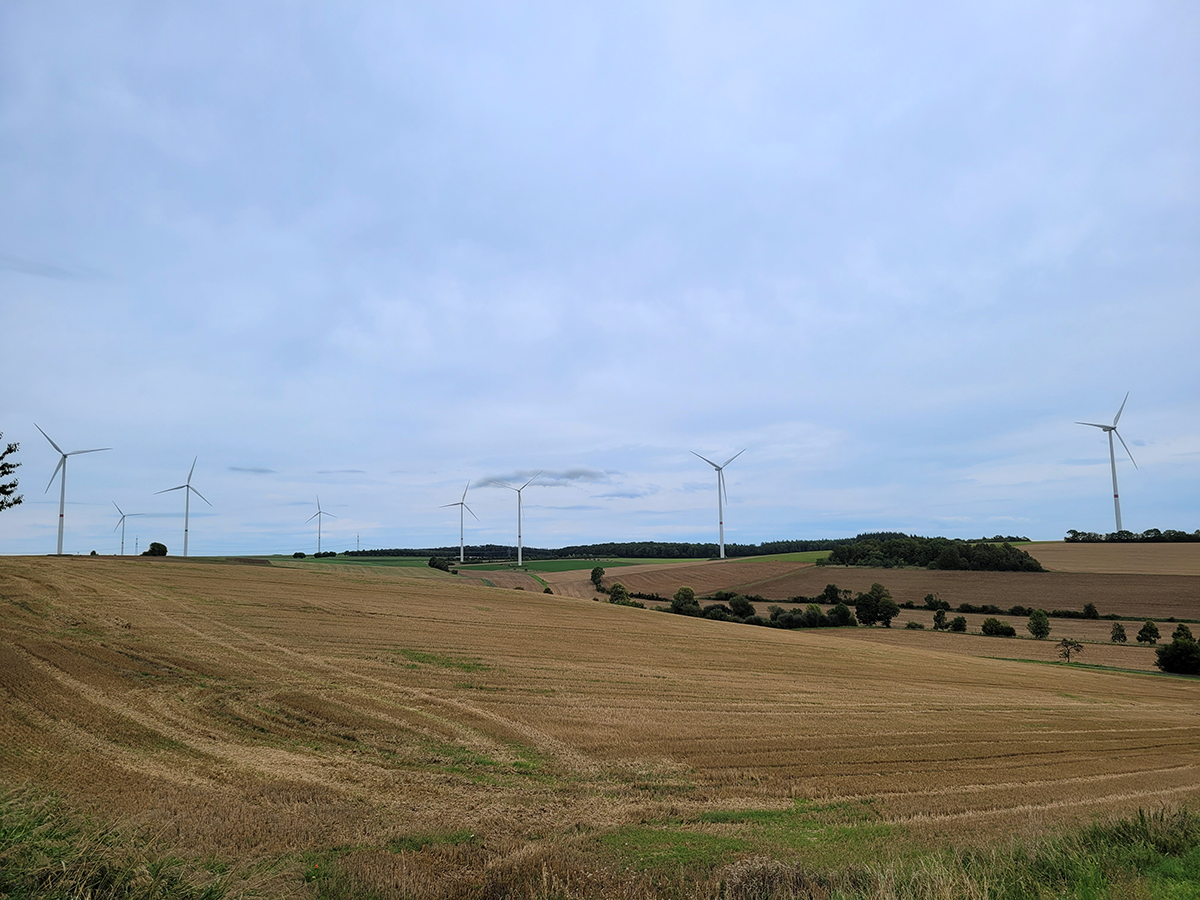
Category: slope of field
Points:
column 439, row 729
column 1118, row 559
column 743, row 575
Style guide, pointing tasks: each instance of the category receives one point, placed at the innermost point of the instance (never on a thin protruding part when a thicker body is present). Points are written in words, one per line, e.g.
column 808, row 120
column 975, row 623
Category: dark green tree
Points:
column 618, row 593
column 1148, row 634
column 870, row 609
column 1182, row 655
column 684, row 602
column 155, row 549
column 1090, row 611
column 1039, row 624
column 8, row 489
column 1117, row 635
column 958, row 624
column 841, row 616
column 939, row 620
column 597, row 575
column 993, row 627
column 741, row 606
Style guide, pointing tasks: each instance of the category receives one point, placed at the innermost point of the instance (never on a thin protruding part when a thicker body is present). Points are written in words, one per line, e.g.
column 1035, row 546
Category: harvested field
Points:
column 261, row 713
column 743, row 575
column 1118, row 559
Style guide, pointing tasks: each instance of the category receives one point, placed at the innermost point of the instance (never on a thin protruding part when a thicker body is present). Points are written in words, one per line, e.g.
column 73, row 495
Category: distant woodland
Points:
column 1150, row 535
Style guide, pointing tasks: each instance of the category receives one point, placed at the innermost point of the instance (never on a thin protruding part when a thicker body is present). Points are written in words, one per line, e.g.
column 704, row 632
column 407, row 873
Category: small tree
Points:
column 841, row 616
column 993, row 627
column 684, row 602
column 872, row 606
column 1148, row 634
column 8, row 489
column 1117, row 635
column 1039, row 624
column 618, row 593
column 958, row 624
column 939, row 620
column 435, row 562
column 1067, row 646
column 155, row 549
column 1090, row 611
column 597, row 575
column 741, row 606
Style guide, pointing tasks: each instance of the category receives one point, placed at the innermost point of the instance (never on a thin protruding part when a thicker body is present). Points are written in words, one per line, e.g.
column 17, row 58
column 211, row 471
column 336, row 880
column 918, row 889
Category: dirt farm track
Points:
column 256, row 711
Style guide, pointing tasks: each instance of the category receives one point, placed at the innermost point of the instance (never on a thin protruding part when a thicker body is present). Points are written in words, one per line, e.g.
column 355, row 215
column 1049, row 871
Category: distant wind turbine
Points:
column 462, row 504
column 188, row 490
column 518, row 490
column 721, row 492
column 62, row 464
column 121, row 524
column 317, row 515
column 1110, row 430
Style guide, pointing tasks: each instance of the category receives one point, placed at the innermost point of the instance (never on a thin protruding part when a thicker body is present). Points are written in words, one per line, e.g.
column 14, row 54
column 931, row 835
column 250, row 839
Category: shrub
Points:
column 1148, row 634
column 435, row 562
column 1022, row 611
column 545, row 590
column 155, row 549
column 995, row 628
column 914, row 626
column 958, row 624
column 299, row 554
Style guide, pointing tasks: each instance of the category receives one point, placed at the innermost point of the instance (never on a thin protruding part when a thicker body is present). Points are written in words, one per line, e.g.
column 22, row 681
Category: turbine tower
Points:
column 317, row 515
column 462, row 504
column 62, row 464
column 721, row 491
column 1110, row 430
column 188, row 490
column 121, row 524
column 518, row 490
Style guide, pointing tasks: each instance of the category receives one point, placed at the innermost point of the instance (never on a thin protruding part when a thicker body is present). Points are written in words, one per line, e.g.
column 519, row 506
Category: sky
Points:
column 373, row 251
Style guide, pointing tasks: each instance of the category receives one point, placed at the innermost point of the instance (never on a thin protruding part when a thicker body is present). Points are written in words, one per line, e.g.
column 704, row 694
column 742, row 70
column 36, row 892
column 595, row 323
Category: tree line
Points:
column 1150, row 535
column 934, row 553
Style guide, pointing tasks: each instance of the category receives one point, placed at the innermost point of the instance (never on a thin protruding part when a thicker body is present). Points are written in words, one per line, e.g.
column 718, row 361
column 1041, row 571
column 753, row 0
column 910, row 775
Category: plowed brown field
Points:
column 252, row 711
column 1124, row 559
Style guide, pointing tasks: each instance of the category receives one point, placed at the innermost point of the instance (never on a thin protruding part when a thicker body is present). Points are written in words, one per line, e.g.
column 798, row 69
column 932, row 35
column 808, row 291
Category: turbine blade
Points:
column 1094, row 425
column 191, row 470
column 464, row 496
column 313, row 516
column 444, row 505
column 119, row 509
column 732, row 458
column 705, row 458
column 178, row 487
column 62, row 461
column 198, row 494
column 530, row 481
column 721, row 478
column 97, row 450
column 47, row 437
column 471, row 511
column 331, row 515
column 1117, row 417
column 1126, row 446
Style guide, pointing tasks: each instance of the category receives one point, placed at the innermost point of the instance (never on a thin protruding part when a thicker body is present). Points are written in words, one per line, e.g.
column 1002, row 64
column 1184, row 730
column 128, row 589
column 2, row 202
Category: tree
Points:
column 958, row 624
column 741, row 606
column 939, row 620
column 841, row 616
column 618, row 594
column 870, row 607
column 684, row 602
column 597, row 575
column 8, row 489
column 1117, row 635
column 1067, row 646
column 155, row 549
column 1090, row 611
column 1182, row 655
column 435, row 562
column 1148, row 634
column 1039, row 624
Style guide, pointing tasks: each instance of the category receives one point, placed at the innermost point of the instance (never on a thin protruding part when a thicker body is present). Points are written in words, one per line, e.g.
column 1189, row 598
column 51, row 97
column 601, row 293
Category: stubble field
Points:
column 426, row 735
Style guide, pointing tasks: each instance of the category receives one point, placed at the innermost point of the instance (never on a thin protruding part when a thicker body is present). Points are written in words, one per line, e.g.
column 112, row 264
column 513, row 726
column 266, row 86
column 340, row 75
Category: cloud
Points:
column 252, row 470
column 45, row 270
column 341, row 472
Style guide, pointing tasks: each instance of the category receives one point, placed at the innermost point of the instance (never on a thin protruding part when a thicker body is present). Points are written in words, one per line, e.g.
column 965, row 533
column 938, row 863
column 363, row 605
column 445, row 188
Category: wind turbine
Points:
column 121, row 524
column 462, row 504
column 62, row 464
column 518, row 490
column 188, row 490
column 721, row 491
column 1110, row 430
column 317, row 515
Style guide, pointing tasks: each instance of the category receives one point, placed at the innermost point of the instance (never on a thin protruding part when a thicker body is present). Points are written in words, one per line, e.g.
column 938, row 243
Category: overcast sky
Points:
column 373, row 250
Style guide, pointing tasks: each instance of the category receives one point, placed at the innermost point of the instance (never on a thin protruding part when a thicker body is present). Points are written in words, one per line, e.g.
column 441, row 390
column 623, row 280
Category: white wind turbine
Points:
column 1110, row 430
column 462, row 504
column 721, row 492
column 62, row 464
column 188, row 490
column 121, row 524
column 317, row 515
column 518, row 490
